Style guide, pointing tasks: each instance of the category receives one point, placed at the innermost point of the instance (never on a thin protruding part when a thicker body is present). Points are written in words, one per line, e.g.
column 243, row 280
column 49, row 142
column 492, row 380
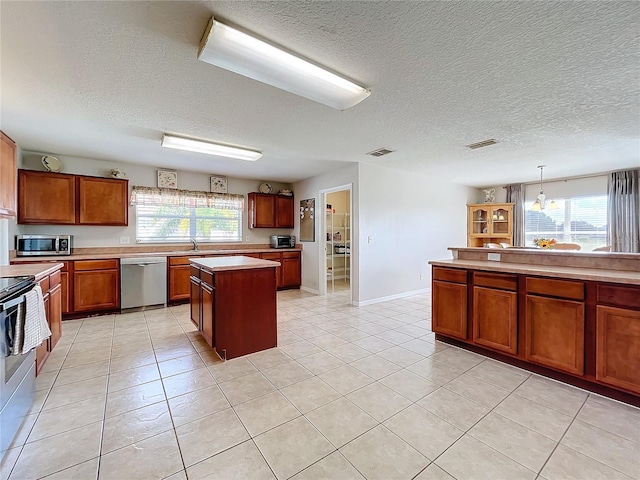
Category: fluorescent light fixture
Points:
column 238, row 52
column 200, row 146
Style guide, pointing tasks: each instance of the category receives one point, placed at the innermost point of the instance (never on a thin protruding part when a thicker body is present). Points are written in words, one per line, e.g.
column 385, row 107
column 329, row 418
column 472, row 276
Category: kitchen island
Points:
column 571, row 316
column 233, row 303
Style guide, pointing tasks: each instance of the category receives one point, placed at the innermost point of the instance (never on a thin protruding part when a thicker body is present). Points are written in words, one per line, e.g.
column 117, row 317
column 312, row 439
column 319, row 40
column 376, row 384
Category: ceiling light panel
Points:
column 233, row 50
column 209, row 148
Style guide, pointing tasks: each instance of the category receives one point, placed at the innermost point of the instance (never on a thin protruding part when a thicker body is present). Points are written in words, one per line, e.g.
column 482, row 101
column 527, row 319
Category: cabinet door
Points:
column 501, row 220
column 554, row 335
column 495, row 319
column 195, row 302
column 291, row 269
column 55, row 315
column 284, row 211
column 179, row 283
column 479, row 220
column 276, row 257
column 42, row 352
column 207, row 315
column 262, row 209
column 46, row 198
column 618, row 347
column 450, row 309
column 103, row 201
column 65, row 292
column 95, row 290
column 8, row 180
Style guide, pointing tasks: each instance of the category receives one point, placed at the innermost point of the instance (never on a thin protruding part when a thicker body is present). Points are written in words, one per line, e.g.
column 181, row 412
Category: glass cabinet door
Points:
column 480, row 221
column 500, row 221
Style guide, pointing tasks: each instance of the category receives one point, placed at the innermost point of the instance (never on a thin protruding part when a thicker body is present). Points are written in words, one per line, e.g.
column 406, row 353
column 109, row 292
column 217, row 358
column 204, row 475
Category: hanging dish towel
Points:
column 15, row 331
column 36, row 328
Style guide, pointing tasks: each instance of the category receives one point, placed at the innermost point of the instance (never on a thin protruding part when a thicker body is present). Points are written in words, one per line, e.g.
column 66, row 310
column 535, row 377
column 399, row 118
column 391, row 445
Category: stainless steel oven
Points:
column 17, row 372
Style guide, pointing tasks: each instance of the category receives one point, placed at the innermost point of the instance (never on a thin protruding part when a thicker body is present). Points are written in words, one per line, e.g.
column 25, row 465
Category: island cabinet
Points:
column 270, row 211
column 48, row 198
column 235, row 301
column 96, row 285
column 449, row 289
column 52, row 296
column 495, row 311
column 8, row 182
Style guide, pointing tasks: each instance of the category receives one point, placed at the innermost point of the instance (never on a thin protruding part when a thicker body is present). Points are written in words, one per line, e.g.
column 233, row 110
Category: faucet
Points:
column 195, row 244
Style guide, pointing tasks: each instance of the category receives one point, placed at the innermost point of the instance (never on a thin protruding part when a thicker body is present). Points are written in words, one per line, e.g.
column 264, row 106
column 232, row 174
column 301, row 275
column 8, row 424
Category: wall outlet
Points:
column 247, row 238
column 495, row 257
column 369, row 239
column 421, row 276
column 124, row 240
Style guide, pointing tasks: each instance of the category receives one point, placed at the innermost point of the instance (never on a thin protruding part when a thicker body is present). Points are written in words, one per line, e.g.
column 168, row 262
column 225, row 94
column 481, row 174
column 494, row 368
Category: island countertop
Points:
column 37, row 270
column 232, row 263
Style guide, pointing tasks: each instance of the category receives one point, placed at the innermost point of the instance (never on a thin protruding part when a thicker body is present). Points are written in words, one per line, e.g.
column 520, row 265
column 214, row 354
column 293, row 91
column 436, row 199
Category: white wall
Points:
column 313, row 252
column 411, row 219
column 95, row 236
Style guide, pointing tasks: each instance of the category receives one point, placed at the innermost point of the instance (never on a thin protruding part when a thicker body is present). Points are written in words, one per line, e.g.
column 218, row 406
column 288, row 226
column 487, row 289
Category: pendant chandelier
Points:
column 539, row 204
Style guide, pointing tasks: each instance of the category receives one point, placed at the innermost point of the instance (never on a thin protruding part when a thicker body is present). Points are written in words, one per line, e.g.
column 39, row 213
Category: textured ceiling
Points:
column 555, row 82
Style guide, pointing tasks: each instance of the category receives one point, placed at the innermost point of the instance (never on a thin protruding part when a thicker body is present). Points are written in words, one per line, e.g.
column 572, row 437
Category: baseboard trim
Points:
column 310, row 290
column 391, row 297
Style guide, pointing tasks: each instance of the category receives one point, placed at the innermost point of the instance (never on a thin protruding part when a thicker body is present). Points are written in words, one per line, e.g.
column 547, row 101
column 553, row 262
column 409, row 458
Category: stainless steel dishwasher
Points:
column 143, row 282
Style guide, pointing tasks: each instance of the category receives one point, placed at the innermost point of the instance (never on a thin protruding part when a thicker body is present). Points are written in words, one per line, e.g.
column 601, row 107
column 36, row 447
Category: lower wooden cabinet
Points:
column 195, row 301
column 288, row 274
column 275, row 257
column 617, row 346
column 495, row 319
column 178, row 281
column 554, row 333
column 449, row 315
column 96, row 285
column 52, row 296
column 208, row 313
column 55, row 314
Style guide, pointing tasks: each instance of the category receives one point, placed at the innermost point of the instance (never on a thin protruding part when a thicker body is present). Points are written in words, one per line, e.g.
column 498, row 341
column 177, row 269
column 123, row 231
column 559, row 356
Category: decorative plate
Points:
column 167, row 179
column 265, row 188
column 51, row 163
column 218, row 184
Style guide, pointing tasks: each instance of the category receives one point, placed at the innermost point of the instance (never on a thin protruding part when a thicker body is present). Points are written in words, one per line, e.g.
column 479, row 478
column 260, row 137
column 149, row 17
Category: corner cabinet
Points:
column 489, row 223
column 270, row 211
column 47, row 198
column 8, row 169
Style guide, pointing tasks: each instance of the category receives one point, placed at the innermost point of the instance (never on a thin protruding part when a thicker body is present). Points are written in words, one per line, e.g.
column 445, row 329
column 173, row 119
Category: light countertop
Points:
column 578, row 273
column 233, row 263
column 37, row 270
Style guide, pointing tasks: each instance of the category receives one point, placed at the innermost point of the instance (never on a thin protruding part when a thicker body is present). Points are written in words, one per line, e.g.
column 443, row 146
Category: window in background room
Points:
column 581, row 220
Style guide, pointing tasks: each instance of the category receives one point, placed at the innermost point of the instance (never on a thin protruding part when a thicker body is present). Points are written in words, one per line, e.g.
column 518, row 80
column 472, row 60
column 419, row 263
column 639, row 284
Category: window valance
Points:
column 185, row 198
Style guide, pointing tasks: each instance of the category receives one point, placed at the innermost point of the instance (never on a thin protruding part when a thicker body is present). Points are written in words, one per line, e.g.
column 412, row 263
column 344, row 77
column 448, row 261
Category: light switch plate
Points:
column 495, row 257
column 124, row 240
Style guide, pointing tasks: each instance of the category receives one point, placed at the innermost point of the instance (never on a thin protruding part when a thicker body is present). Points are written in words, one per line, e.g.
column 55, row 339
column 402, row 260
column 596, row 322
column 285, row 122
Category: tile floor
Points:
column 350, row 393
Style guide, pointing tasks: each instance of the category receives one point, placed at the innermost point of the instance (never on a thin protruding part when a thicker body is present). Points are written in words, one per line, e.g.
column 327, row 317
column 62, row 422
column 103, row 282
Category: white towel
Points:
column 36, row 328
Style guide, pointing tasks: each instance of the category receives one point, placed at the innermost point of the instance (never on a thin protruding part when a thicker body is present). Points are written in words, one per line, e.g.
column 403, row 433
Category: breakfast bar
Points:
column 233, row 303
column 570, row 316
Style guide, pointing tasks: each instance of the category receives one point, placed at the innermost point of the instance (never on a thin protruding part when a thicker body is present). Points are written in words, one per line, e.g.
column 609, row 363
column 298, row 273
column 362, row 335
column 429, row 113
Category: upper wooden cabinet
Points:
column 57, row 198
column 8, row 169
column 270, row 211
column 489, row 223
column 102, row 201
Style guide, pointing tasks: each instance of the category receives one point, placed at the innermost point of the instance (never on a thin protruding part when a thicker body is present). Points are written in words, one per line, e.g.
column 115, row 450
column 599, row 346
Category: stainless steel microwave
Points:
column 43, row 245
column 283, row 241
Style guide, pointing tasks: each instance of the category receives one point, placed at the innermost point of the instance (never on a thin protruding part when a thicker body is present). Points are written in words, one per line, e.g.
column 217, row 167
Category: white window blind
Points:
column 166, row 215
column 581, row 220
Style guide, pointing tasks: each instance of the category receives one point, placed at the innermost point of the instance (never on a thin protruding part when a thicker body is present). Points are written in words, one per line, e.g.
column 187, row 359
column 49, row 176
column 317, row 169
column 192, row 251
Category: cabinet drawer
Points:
column 450, row 275
column 496, row 280
column 290, row 254
column 206, row 277
column 555, row 288
column 618, row 295
column 182, row 260
column 44, row 284
column 81, row 265
column 54, row 279
column 194, row 271
column 276, row 257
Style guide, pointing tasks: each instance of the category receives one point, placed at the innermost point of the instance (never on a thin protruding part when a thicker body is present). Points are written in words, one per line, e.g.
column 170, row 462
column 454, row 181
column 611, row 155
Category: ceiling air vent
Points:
column 380, row 152
column 484, row 143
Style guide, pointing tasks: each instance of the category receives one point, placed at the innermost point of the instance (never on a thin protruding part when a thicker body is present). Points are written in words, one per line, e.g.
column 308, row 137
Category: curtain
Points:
column 623, row 211
column 515, row 194
column 185, row 198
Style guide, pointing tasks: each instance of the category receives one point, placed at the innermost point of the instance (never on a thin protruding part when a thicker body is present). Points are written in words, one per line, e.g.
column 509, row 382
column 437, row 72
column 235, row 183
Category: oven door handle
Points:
column 12, row 303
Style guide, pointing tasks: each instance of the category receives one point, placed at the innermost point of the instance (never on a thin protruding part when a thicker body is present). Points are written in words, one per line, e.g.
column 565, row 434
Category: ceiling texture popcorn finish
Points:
column 554, row 82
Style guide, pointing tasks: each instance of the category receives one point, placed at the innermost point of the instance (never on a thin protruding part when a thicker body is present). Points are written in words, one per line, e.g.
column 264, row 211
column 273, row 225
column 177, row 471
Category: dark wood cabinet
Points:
column 102, row 201
column 96, row 285
column 270, row 211
column 66, row 289
column 8, row 180
column 275, row 257
column 55, row 315
column 52, row 296
column 195, row 301
column 449, row 308
column 48, row 198
column 208, row 313
column 291, row 270
column 495, row 319
column 44, row 350
column 179, row 283
column 618, row 347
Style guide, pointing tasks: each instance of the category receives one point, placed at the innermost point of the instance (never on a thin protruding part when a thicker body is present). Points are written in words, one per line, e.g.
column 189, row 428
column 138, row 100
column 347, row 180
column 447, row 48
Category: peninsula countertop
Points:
column 238, row 262
column 37, row 270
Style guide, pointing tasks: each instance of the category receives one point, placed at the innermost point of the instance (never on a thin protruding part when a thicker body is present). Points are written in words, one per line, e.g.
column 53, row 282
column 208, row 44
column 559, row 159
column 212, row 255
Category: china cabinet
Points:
column 489, row 223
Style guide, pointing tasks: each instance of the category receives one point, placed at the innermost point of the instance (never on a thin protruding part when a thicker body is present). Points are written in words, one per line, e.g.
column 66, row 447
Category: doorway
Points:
column 337, row 236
